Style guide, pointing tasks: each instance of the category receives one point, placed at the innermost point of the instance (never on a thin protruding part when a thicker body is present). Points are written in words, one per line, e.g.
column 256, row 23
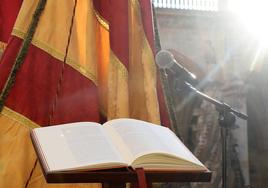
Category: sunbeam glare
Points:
column 253, row 14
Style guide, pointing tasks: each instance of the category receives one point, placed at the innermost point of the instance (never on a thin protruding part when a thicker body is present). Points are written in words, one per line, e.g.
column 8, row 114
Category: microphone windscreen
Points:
column 164, row 59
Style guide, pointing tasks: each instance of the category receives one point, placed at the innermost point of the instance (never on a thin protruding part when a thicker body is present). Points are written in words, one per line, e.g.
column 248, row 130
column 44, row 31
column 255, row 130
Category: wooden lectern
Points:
column 118, row 179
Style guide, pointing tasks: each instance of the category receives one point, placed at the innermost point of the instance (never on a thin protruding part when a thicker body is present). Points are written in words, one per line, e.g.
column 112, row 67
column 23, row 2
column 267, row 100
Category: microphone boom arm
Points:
column 220, row 106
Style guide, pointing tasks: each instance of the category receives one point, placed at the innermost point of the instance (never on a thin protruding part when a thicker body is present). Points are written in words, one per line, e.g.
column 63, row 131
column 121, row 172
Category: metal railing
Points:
column 201, row 5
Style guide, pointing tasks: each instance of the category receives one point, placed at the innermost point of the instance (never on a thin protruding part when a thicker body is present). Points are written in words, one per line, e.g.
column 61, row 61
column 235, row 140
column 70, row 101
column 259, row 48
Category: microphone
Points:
column 165, row 60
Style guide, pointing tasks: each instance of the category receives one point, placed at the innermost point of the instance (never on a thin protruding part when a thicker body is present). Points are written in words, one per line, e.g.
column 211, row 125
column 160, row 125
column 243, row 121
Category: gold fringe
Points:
column 19, row 118
column 57, row 55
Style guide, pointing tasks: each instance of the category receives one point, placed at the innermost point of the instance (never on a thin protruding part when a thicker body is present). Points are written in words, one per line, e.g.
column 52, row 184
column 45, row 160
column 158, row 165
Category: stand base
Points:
column 117, row 179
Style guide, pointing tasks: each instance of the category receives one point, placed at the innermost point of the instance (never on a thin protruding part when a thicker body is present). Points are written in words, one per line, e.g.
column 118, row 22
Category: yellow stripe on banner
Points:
column 56, row 54
column 103, row 61
column 2, row 46
column 101, row 20
column 18, row 118
column 135, row 3
column 118, row 94
column 150, row 82
column 52, row 33
column 118, row 65
column 141, row 56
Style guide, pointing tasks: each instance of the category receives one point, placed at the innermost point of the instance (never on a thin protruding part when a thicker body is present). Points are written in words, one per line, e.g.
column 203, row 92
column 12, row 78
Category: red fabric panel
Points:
column 103, row 7
column 116, row 13
column 9, row 10
column 119, row 30
column 34, row 92
column 147, row 19
column 8, row 58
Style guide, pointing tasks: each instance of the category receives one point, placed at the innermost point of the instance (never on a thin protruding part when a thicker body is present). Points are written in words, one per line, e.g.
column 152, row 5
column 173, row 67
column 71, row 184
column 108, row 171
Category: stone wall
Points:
column 216, row 43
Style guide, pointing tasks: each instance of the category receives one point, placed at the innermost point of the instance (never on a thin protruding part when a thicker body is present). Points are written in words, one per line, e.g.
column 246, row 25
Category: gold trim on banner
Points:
column 60, row 56
column 101, row 20
column 119, row 66
column 18, row 117
column 3, row 45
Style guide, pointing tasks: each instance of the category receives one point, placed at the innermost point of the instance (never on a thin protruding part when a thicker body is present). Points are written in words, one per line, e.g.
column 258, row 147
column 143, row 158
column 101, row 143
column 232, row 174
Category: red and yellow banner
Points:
column 8, row 12
column 109, row 73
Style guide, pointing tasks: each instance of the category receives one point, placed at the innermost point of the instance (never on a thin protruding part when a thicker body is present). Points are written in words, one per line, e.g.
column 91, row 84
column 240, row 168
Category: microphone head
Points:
column 164, row 59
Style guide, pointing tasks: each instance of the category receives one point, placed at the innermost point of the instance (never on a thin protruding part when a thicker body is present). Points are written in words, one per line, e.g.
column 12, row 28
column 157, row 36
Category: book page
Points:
column 76, row 145
column 120, row 144
column 143, row 138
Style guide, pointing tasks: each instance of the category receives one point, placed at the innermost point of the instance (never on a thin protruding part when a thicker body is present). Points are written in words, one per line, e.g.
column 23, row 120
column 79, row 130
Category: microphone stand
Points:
column 226, row 121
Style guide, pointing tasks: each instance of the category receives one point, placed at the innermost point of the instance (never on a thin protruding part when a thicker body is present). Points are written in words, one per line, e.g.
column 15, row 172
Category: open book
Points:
column 117, row 143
